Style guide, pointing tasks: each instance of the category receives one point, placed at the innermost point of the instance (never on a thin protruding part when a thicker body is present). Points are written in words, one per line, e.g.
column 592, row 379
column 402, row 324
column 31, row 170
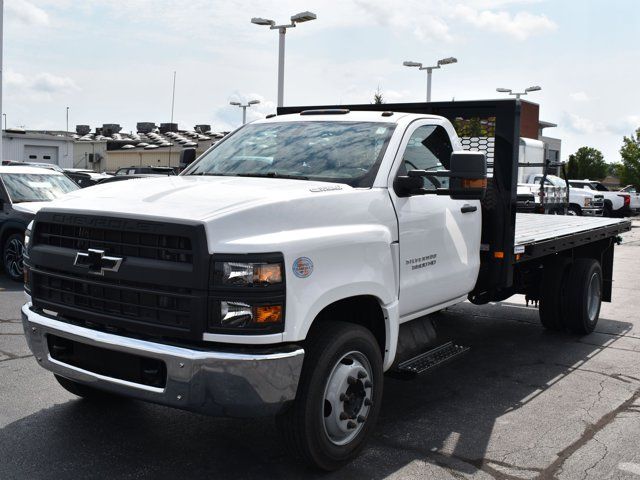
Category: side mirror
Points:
column 405, row 186
column 468, row 176
column 187, row 156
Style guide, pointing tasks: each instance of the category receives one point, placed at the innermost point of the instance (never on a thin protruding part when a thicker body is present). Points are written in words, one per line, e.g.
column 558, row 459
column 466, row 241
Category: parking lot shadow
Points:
column 9, row 285
column 512, row 361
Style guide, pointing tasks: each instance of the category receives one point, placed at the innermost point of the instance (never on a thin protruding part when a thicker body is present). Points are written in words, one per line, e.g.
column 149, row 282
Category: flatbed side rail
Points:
column 536, row 249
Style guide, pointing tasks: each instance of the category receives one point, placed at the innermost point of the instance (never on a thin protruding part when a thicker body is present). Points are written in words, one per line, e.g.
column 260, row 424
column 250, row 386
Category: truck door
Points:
column 439, row 237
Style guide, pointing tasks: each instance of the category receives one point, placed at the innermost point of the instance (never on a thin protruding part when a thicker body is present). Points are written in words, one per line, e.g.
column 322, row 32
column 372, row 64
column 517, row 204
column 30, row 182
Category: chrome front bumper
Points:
column 592, row 211
column 210, row 382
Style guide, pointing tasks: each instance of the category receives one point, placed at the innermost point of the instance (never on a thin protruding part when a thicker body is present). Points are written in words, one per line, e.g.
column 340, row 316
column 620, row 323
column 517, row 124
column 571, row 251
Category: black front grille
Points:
column 125, row 243
column 114, row 301
column 158, row 290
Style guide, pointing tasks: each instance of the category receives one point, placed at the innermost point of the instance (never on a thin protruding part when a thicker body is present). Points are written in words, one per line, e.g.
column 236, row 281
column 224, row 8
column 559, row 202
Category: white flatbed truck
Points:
column 296, row 261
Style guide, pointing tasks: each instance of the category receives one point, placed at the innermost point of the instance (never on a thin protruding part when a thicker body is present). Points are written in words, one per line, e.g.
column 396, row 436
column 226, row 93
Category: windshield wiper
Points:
column 210, row 174
column 273, row 175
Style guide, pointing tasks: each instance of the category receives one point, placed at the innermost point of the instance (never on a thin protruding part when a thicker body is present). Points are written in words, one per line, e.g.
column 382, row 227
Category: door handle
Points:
column 468, row 208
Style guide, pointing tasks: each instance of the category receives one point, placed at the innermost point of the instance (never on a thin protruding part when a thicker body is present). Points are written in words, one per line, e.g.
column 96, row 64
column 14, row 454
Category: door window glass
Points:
column 429, row 148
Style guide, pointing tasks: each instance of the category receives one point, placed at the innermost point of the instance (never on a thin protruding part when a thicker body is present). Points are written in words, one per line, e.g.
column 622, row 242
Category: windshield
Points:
column 344, row 152
column 581, row 185
column 36, row 187
column 556, row 181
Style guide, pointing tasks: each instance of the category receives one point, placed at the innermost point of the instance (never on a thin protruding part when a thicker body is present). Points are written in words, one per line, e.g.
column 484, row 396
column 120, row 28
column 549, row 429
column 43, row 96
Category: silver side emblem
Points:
column 97, row 262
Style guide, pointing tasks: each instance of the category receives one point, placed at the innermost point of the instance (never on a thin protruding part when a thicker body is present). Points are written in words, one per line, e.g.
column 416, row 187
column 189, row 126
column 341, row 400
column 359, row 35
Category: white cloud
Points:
column 626, row 125
column 520, row 26
column 583, row 125
column 579, row 97
column 38, row 87
column 26, row 13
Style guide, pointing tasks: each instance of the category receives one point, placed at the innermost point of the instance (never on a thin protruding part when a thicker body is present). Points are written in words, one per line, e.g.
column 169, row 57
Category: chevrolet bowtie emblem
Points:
column 97, row 262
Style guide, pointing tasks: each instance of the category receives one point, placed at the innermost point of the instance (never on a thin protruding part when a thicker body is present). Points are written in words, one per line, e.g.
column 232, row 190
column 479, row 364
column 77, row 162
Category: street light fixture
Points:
column 282, row 29
column 442, row 61
column 533, row 88
column 244, row 108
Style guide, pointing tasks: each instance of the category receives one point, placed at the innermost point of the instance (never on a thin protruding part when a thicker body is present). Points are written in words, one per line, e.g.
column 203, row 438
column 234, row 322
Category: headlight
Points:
column 27, row 235
column 587, row 202
column 247, row 274
column 247, row 294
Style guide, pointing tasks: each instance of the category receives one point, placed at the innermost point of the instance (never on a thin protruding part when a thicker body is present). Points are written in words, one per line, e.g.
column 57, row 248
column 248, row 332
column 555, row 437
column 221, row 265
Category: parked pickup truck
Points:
column 294, row 263
column 551, row 198
column 616, row 204
column 634, row 198
column 582, row 201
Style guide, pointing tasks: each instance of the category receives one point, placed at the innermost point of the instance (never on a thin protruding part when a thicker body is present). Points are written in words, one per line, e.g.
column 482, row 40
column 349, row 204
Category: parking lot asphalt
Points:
column 522, row 404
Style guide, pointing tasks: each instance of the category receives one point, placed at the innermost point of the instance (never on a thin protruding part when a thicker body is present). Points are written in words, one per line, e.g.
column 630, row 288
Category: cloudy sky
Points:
column 113, row 61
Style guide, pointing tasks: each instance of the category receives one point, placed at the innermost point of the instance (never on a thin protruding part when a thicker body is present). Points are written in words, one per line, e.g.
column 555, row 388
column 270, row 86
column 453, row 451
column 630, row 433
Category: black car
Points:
column 85, row 178
column 23, row 191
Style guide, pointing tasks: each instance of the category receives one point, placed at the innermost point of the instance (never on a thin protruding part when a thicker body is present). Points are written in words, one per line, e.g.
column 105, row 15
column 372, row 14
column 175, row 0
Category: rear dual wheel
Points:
column 571, row 295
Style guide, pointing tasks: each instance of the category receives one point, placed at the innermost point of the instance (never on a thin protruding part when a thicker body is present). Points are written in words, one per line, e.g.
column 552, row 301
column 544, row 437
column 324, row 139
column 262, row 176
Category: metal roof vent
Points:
column 145, row 127
column 83, row 129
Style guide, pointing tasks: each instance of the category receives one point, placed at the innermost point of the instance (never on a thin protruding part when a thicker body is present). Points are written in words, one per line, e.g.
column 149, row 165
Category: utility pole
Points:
column 1, row 49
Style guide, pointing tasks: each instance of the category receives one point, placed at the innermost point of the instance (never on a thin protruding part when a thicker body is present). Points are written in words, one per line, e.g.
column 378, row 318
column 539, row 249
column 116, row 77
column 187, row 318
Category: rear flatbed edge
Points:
column 551, row 240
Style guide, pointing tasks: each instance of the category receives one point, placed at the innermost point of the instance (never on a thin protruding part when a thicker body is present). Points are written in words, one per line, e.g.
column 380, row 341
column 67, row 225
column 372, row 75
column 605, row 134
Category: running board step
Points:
column 431, row 359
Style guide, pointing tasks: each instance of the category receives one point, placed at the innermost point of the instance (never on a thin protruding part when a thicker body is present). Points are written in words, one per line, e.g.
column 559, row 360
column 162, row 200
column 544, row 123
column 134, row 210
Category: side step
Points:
column 432, row 359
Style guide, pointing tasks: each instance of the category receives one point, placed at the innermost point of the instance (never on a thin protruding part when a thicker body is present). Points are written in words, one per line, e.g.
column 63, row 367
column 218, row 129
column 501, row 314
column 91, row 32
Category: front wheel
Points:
column 574, row 210
column 338, row 397
column 12, row 256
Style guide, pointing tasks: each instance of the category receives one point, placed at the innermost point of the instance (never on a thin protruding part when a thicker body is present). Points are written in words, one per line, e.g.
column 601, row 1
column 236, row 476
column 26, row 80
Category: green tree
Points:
column 630, row 153
column 587, row 162
column 614, row 169
column 377, row 97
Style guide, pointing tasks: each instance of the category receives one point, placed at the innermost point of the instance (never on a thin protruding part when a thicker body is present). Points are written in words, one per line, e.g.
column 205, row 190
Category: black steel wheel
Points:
column 583, row 295
column 338, row 396
column 552, row 293
column 12, row 256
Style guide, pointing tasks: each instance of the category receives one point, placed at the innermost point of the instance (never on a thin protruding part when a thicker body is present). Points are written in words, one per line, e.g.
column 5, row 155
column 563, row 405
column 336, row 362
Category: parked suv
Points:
column 23, row 191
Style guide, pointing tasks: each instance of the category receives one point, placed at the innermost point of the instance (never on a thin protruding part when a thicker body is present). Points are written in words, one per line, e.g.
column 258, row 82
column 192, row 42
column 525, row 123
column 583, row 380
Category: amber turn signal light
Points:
column 268, row 314
column 474, row 183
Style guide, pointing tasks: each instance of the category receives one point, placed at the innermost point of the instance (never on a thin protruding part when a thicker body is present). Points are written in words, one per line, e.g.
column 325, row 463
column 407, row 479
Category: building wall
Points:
column 159, row 157
column 82, row 153
column 13, row 148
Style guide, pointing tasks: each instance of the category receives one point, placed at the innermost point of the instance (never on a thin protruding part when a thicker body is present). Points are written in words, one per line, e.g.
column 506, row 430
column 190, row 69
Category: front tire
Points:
column 12, row 256
column 574, row 210
column 338, row 398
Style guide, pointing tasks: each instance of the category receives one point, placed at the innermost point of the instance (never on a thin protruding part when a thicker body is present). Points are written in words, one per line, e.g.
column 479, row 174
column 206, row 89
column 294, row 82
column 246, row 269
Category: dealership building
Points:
column 107, row 148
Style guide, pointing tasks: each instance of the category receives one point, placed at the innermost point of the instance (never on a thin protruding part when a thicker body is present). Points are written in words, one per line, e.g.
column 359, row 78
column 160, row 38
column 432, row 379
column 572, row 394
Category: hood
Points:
column 191, row 197
column 29, row 207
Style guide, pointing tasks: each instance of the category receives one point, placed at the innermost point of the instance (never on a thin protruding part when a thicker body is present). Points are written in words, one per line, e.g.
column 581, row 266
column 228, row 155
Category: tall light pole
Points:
column 66, row 134
column 534, row 88
column 1, row 48
column 244, row 108
column 443, row 61
column 295, row 19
